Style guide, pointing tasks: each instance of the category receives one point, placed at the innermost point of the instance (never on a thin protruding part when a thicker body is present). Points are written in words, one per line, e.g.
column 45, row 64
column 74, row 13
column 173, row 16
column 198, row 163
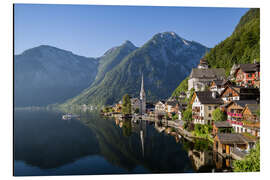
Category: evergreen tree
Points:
column 126, row 106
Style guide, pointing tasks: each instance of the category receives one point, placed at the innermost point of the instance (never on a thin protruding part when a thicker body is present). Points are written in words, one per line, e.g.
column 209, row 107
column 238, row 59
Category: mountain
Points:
column 242, row 47
column 165, row 60
column 44, row 75
column 112, row 58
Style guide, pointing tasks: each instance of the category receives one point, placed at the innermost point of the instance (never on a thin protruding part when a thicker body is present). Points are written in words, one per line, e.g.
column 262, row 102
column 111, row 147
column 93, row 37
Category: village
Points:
column 226, row 111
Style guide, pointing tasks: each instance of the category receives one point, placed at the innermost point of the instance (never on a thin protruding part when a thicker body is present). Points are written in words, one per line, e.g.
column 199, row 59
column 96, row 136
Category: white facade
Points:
column 160, row 108
column 197, row 105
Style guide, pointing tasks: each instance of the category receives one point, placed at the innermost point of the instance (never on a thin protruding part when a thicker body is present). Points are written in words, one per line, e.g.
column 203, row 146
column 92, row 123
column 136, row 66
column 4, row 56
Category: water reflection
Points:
column 44, row 144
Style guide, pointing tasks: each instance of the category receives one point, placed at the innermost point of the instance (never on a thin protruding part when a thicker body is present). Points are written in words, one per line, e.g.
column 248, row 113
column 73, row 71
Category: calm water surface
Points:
column 44, row 144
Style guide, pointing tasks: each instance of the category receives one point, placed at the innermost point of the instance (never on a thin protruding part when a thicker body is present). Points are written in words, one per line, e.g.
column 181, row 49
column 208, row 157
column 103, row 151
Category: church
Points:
column 139, row 103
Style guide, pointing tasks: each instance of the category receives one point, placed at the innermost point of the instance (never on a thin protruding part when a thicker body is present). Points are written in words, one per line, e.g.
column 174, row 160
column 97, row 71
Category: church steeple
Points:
column 142, row 98
column 142, row 93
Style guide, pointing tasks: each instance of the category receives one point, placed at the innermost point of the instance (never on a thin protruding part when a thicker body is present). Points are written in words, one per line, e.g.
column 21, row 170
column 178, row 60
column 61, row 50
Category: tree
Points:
column 187, row 115
column 218, row 115
column 126, row 106
column 137, row 111
column 251, row 163
column 127, row 128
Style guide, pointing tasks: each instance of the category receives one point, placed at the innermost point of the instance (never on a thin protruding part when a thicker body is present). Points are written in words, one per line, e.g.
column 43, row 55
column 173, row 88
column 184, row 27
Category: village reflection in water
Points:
column 200, row 151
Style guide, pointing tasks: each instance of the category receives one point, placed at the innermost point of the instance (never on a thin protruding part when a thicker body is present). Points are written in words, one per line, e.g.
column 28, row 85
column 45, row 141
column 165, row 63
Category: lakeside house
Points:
column 172, row 107
column 247, row 75
column 251, row 121
column 221, row 127
column 202, row 76
column 235, row 116
column 203, row 105
column 160, row 107
column 232, row 92
column 135, row 104
column 232, row 144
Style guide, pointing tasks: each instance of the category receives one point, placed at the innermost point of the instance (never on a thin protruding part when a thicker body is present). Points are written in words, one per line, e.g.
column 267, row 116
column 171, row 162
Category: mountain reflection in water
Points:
column 44, row 144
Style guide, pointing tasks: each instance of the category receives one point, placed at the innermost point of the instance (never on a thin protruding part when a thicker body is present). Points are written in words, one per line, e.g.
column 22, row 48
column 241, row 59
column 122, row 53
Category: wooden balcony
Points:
column 235, row 114
column 235, row 122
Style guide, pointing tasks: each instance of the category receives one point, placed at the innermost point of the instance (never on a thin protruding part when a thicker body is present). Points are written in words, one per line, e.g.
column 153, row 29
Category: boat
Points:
column 69, row 116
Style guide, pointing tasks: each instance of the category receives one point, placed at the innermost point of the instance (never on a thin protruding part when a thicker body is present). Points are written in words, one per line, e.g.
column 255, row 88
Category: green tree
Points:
column 218, row 115
column 183, row 87
column 137, row 111
column 187, row 115
column 251, row 163
column 127, row 127
column 126, row 106
column 175, row 116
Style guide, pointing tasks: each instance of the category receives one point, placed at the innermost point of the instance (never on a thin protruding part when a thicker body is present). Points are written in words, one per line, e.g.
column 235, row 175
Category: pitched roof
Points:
column 250, row 67
column 161, row 101
column 244, row 91
column 208, row 73
column 231, row 138
column 220, row 124
column 205, row 97
column 243, row 103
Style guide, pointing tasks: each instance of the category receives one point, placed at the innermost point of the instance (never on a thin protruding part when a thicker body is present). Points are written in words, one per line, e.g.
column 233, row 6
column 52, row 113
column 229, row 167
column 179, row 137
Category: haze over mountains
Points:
column 46, row 75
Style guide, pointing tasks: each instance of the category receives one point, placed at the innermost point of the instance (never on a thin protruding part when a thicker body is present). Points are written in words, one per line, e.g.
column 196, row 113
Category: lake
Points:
column 45, row 144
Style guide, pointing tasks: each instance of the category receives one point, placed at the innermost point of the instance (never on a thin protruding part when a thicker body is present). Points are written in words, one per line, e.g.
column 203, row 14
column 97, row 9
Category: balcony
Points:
column 235, row 122
column 196, row 109
column 235, row 114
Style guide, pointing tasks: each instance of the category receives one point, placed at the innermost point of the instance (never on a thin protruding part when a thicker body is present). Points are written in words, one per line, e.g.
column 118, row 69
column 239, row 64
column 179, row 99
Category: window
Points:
column 209, row 107
column 209, row 115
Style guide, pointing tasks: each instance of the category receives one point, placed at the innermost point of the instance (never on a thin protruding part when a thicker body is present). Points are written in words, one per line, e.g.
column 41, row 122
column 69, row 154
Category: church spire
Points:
column 142, row 93
column 142, row 98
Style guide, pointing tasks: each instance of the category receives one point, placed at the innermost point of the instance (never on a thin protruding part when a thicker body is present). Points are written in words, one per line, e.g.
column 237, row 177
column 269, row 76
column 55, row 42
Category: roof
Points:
column 205, row 97
column 162, row 101
column 218, row 73
column 253, row 107
column 241, row 90
column 218, row 82
column 220, row 124
column 233, row 138
column 250, row 67
column 243, row 103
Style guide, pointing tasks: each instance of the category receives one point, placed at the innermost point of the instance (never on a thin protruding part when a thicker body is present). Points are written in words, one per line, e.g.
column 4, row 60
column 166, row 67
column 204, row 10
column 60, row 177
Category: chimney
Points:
column 254, row 61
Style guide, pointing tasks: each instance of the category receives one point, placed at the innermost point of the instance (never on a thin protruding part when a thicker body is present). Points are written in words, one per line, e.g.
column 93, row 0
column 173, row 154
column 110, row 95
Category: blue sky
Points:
column 91, row 30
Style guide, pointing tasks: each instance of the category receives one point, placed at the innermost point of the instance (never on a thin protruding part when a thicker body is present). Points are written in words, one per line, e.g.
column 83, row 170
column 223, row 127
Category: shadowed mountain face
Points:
column 46, row 75
column 165, row 60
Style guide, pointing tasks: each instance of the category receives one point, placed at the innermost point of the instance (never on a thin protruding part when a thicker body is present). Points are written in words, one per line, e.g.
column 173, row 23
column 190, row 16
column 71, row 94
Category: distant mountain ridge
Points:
column 45, row 75
column 165, row 60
